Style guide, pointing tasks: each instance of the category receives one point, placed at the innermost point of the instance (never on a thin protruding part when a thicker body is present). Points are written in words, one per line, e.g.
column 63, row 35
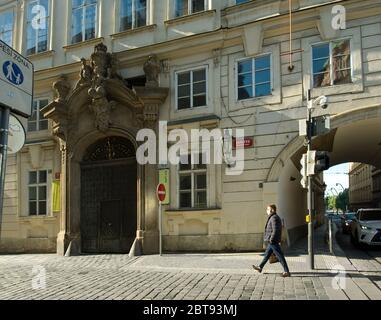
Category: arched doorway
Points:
column 109, row 196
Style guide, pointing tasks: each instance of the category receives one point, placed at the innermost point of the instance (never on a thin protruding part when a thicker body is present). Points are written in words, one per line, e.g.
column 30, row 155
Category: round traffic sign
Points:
column 161, row 192
column 16, row 135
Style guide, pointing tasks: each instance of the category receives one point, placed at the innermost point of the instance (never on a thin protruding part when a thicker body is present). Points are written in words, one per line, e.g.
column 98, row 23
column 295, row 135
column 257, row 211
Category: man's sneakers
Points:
column 284, row 274
column 257, row 268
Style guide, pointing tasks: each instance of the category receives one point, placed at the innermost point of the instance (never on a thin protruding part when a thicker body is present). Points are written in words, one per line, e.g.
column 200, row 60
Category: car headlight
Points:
column 366, row 228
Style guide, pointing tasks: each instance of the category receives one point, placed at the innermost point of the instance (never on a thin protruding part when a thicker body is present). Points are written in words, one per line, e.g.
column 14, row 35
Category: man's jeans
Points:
column 276, row 249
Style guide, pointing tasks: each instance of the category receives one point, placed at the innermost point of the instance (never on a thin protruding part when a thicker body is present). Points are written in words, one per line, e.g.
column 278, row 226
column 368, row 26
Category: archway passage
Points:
column 109, row 196
column 355, row 137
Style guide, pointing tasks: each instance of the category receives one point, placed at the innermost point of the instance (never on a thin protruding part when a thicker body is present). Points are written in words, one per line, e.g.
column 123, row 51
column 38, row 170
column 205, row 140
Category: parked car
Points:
column 346, row 221
column 366, row 227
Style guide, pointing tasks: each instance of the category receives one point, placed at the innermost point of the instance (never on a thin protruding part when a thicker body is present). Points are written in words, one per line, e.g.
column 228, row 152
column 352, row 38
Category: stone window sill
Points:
column 354, row 87
column 41, row 55
column 81, row 44
column 190, row 17
column 193, row 211
column 122, row 34
column 31, row 219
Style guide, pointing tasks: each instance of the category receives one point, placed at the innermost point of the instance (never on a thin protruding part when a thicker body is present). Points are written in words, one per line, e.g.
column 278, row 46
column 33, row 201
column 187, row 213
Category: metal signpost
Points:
column 313, row 162
column 309, row 186
column 161, row 193
column 16, row 96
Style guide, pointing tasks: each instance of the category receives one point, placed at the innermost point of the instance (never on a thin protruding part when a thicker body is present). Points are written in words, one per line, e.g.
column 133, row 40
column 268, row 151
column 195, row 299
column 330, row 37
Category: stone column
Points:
column 62, row 240
column 153, row 98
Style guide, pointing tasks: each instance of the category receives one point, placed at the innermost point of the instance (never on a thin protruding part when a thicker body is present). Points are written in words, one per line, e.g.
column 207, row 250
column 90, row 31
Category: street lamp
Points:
column 335, row 190
column 322, row 102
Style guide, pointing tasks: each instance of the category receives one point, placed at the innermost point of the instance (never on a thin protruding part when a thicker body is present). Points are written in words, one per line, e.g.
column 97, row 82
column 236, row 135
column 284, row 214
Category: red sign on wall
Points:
column 247, row 142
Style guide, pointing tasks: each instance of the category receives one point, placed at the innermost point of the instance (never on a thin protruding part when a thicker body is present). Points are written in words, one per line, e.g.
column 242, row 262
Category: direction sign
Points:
column 161, row 192
column 16, row 81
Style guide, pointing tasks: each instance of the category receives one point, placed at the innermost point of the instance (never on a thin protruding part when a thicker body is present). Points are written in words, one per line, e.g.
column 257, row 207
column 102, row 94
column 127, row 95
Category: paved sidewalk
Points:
column 186, row 277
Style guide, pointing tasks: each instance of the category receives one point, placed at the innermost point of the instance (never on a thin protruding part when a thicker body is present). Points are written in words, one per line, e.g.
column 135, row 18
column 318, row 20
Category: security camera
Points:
column 323, row 102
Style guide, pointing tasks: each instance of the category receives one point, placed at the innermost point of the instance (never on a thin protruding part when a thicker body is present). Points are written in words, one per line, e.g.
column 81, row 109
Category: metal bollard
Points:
column 330, row 236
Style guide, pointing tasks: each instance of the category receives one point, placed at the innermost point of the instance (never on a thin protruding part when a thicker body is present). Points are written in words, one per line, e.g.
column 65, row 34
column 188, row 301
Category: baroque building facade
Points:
column 105, row 69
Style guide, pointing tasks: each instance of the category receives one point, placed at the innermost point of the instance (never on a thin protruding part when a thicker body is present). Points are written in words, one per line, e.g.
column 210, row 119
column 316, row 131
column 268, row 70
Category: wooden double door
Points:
column 108, row 206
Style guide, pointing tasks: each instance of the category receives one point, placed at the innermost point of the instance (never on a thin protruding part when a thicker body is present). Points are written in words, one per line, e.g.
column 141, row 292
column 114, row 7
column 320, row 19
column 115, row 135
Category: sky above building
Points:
column 336, row 175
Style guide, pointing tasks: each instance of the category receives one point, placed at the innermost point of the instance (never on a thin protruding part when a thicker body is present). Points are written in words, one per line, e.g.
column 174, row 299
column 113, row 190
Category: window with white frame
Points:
column 331, row 63
column 193, row 184
column 37, row 26
column 254, row 77
column 133, row 14
column 191, row 89
column 6, row 27
column 37, row 122
column 187, row 7
column 84, row 14
column 38, row 193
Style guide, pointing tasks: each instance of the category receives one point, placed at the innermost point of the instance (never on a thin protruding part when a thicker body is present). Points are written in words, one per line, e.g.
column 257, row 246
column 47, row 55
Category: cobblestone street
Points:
column 189, row 277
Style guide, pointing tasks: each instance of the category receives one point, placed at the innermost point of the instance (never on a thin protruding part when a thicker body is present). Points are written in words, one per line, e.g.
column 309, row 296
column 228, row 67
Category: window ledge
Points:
column 354, row 87
column 121, row 34
column 193, row 211
column 83, row 43
column 239, row 7
column 31, row 219
column 41, row 55
column 190, row 17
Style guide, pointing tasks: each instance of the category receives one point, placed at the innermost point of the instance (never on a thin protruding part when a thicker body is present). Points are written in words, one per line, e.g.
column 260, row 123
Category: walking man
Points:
column 273, row 235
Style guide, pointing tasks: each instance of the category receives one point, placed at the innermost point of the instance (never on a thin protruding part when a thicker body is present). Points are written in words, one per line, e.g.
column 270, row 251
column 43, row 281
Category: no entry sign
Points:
column 161, row 192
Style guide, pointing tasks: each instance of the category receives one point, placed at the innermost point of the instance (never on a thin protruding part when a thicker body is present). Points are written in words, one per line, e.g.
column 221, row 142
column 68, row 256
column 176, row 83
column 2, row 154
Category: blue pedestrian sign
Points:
column 16, row 81
column 13, row 73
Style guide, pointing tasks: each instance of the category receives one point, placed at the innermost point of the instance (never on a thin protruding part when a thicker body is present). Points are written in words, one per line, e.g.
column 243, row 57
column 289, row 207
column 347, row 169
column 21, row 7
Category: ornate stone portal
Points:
column 99, row 106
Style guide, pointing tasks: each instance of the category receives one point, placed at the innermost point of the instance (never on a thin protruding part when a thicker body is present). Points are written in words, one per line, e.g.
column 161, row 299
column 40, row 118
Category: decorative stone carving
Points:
column 165, row 66
column 103, row 66
column 102, row 111
column 151, row 115
column 216, row 57
column 152, row 70
column 62, row 88
column 86, row 74
column 101, row 62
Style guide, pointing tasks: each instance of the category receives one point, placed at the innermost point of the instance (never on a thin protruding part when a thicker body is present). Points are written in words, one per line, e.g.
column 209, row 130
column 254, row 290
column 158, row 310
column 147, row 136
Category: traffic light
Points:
column 303, row 171
column 318, row 161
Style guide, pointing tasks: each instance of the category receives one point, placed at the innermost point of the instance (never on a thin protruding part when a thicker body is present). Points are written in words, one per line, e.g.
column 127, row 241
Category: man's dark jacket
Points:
column 273, row 230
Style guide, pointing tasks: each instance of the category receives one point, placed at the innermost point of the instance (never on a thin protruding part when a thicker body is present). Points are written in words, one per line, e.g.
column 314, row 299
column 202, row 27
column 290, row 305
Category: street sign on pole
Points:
column 164, row 179
column 161, row 195
column 16, row 79
column 16, row 95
